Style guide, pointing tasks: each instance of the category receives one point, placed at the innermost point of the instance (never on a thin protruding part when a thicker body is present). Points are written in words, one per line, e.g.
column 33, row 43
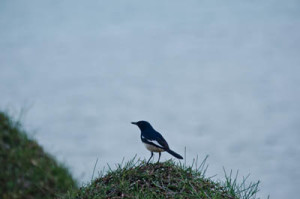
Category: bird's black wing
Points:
column 155, row 139
column 161, row 140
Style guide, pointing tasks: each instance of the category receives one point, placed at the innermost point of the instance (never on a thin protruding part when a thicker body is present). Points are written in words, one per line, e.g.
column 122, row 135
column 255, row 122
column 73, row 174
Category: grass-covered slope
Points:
column 26, row 171
column 162, row 180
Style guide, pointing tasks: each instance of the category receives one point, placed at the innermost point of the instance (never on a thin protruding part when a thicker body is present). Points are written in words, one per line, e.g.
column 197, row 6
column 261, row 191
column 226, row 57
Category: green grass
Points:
column 26, row 170
column 136, row 179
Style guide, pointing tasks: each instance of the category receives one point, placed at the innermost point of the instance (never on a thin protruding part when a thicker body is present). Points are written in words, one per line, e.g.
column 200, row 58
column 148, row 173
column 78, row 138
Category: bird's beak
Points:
column 134, row 123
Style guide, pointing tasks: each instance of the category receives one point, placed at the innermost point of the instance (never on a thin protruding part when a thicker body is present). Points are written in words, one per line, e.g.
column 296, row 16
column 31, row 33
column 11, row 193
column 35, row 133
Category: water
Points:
column 219, row 78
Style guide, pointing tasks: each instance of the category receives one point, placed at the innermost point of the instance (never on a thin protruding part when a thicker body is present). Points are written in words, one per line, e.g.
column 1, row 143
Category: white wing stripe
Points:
column 155, row 142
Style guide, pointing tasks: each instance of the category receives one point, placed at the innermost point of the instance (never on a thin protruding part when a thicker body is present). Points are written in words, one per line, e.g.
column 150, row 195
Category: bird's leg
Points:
column 158, row 157
column 150, row 157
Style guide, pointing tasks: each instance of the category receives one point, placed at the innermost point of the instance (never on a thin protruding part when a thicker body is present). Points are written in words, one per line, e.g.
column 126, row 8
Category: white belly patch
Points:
column 153, row 148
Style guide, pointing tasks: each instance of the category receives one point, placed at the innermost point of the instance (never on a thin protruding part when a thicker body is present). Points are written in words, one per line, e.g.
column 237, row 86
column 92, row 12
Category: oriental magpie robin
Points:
column 153, row 140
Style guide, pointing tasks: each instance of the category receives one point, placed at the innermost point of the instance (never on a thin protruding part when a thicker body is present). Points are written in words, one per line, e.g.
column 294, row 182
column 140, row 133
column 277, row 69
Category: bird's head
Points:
column 143, row 125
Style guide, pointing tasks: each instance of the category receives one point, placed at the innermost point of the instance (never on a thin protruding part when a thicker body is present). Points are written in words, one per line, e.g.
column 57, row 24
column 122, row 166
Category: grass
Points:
column 136, row 179
column 27, row 171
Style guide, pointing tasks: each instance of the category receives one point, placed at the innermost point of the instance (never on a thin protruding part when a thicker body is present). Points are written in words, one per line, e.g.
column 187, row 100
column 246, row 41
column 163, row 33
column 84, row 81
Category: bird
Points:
column 153, row 140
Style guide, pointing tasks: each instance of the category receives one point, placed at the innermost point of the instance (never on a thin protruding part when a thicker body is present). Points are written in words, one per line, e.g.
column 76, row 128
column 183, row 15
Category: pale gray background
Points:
column 218, row 77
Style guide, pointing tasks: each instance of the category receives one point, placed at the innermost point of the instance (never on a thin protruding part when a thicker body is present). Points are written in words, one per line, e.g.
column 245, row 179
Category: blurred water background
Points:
column 217, row 77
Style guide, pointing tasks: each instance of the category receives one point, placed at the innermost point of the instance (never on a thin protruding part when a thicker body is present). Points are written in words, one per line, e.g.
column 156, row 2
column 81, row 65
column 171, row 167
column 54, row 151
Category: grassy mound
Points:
column 26, row 170
column 162, row 180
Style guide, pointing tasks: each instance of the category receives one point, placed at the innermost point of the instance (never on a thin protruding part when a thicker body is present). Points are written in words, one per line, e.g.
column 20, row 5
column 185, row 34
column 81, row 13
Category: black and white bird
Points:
column 153, row 140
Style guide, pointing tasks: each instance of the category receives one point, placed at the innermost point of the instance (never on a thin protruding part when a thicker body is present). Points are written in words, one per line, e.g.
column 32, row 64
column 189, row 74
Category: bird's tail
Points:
column 176, row 155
